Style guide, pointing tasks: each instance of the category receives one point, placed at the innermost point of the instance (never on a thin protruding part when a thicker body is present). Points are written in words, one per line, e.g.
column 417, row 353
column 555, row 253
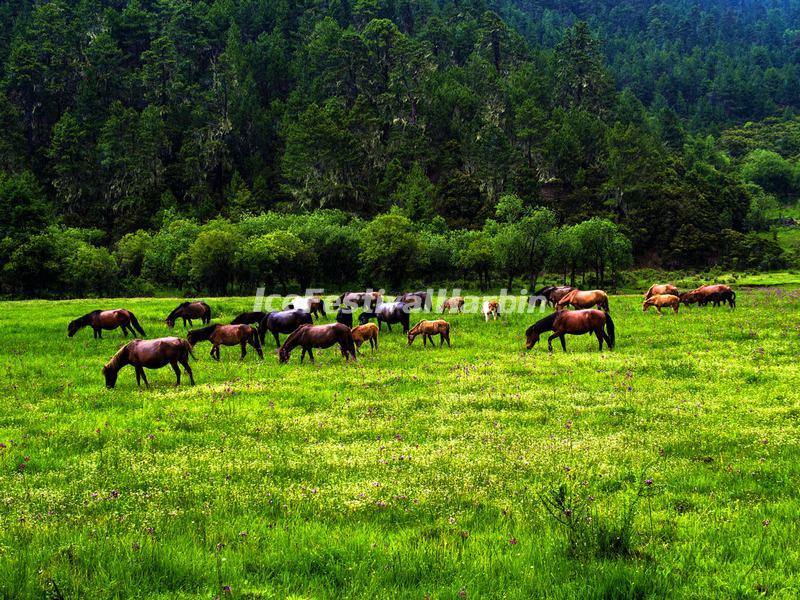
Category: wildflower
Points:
column 243, row 534
column 567, row 513
column 567, row 469
column 452, row 520
column 380, row 504
column 568, row 424
column 21, row 467
column 648, row 482
column 114, row 494
column 226, row 589
column 513, row 541
column 765, row 522
column 135, row 546
column 462, row 593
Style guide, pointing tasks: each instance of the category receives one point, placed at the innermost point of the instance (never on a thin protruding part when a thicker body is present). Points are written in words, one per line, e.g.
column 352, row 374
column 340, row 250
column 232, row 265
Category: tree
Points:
column 214, row 258
column 389, row 249
column 581, row 77
column 772, row 172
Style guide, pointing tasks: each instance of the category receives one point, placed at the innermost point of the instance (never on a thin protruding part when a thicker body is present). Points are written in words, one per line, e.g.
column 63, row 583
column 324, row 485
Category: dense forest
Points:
column 212, row 145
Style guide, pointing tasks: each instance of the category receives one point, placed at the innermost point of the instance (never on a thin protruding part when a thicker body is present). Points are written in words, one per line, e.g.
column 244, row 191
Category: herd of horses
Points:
column 591, row 315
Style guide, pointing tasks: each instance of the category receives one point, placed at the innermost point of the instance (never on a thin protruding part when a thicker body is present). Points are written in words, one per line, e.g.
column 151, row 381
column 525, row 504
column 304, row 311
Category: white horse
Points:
column 299, row 303
column 491, row 307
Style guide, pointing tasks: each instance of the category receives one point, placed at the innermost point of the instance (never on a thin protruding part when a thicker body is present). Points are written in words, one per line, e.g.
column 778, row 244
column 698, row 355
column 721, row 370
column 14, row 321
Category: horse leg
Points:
column 174, row 364
column 277, row 339
column 244, row 349
column 550, row 342
column 563, row 342
column 599, row 333
column 311, row 355
column 302, row 355
column 144, row 377
column 257, row 348
column 138, row 377
column 188, row 370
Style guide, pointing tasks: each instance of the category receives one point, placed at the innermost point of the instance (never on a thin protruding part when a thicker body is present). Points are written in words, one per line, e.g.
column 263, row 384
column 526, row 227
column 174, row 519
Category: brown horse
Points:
column 661, row 301
column 106, row 319
column 586, row 299
column 367, row 300
column 150, row 354
column 716, row 294
column 427, row 329
column 249, row 318
column 318, row 336
column 658, row 289
column 188, row 311
column 362, row 333
column 226, row 335
column 574, row 322
column 456, row 302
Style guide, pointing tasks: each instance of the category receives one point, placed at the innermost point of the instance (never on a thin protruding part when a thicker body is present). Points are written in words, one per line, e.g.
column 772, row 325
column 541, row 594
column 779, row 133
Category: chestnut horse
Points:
column 106, row 319
column 491, row 307
column 661, row 301
column 456, row 302
column 150, row 354
column 586, row 299
column 658, row 289
column 226, row 335
column 427, row 329
column 716, row 294
column 574, row 322
column 319, row 336
column 188, row 311
column 363, row 333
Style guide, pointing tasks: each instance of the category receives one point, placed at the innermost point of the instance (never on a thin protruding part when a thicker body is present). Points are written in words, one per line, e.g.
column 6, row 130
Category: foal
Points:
column 363, row 333
column 662, row 301
column 427, row 329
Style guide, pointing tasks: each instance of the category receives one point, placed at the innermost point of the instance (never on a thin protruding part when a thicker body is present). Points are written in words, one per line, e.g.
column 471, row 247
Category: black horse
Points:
column 249, row 318
column 345, row 317
column 284, row 321
column 390, row 313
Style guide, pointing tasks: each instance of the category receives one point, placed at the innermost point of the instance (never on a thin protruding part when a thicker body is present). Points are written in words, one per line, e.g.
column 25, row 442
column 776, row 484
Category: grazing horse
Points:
column 662, row 301
column 389, row 313
column 658, row 289
column 188, row 311
column 226, row 335
column 310, row 304
column 415, row 300
column 106, row 319
column 366, row 300
column 363, row 333
column 284, row 321
column 249, row 318
column 587, row 299
column 150, row 354
column 716, row 294
column 345, row 316
column 575, row 322
column 491, row 307
column 552, row 294
column 318, row 336
column 427, row 329
column 456, row 302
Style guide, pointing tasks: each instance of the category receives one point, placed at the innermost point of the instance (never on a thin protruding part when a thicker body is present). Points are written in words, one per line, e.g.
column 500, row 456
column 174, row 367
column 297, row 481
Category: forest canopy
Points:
column 148, row 137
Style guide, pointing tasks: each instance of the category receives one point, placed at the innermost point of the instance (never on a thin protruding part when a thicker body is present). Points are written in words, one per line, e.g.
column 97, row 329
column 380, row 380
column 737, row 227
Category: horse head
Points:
column 283, row 355
column 531, row 337
column 73, row 327
column 111, row 376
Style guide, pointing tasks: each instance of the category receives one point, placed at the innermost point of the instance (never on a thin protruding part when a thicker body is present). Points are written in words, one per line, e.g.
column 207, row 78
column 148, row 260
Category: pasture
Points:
column 666, row 468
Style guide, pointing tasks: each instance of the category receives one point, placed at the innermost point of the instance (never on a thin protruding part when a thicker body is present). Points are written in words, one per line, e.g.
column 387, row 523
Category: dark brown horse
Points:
column 106, row 319
column 249, row 318
column 319, row 336
column 580, row 299
column 188, row 311
column 418, row 299
column 150, row 354
column 226, row 335
column 574, row 322
column 551, row 294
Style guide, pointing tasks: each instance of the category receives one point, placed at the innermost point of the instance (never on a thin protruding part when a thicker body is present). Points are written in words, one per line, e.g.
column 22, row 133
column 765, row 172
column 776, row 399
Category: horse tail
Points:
column 254, row 335
column 322, row 308
column 208, row 311
column 135, row 323
column 610, row 331
column 188, row 347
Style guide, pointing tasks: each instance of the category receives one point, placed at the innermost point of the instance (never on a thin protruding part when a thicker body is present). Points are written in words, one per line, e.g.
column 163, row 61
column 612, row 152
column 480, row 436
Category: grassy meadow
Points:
column 669, row 467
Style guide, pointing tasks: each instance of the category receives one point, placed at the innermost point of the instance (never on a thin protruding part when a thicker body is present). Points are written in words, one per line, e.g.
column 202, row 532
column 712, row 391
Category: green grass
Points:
column 413, row 472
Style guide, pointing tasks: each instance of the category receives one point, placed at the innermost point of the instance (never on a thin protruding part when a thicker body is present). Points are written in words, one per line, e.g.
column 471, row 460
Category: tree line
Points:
column 130, row 116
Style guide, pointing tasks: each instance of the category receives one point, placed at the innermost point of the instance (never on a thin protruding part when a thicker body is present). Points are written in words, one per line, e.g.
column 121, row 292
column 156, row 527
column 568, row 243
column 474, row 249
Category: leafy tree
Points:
column 389, row 249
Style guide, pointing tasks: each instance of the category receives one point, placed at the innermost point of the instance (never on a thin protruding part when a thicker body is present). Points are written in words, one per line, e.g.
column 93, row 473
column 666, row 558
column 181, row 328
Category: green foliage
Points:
column 773, row 173
column 389, row 249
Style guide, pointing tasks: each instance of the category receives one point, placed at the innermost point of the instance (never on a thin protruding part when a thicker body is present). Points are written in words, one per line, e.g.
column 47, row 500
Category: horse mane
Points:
column 294, row 335
column 415, row 329
column 176, row 309
column 543, row 324
column 112, row 363
column 203, row 333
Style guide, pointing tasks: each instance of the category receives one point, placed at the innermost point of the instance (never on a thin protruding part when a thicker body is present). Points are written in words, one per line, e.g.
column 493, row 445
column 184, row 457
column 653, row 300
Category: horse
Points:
column 150, row 354
column 574, row 322
column 551, row 294
column 415, row 300
column 284, row 321
column 318, row 336
column 345, row 316
column 716, row 294
column 366, row 300
column 662, row 300
column 249, row 318
column 390, row 313
column 491, row 307
column 586, row 299
column 658, row 289
column 188, row 311
column 363, row 333
column 310, row 304
column 226, row 335
column 106, row 319
column 427, row 329
column 456, row 302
